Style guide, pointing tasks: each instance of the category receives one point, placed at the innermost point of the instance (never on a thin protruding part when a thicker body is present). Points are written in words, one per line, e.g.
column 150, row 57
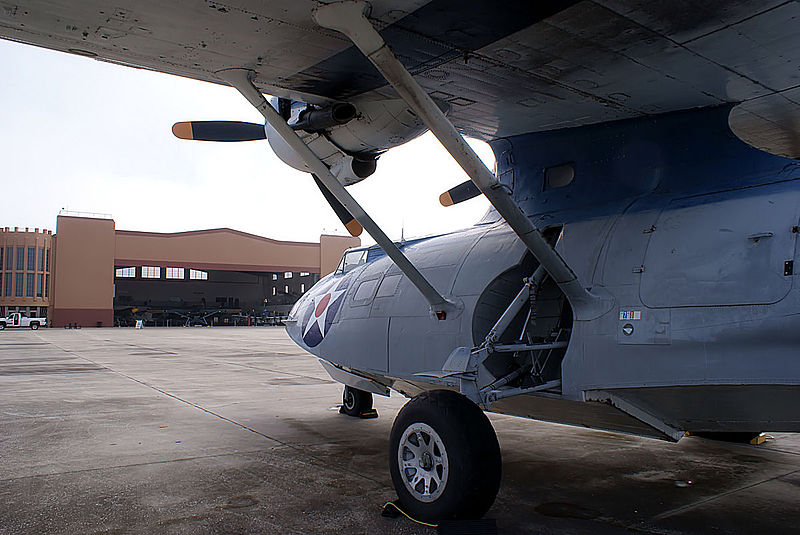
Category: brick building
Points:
column 102, row 276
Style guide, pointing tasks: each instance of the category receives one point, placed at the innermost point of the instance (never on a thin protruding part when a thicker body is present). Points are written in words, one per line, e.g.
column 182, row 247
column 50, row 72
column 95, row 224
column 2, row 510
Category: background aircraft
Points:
column 637, row 270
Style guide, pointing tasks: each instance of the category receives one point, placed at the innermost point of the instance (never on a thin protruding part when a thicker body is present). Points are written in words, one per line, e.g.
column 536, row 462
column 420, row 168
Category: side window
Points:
column 558, row 176
column 363, row 294
column 389, row 286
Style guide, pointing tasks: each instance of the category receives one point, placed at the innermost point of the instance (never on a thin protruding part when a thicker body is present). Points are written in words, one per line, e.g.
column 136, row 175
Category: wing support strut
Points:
column 349, row 17
column 241, row 80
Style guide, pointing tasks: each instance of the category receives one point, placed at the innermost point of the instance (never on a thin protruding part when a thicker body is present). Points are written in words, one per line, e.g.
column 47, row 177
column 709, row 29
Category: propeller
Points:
column 219, row 131
column 463, row 192
column 240, row 131
column 353, row 227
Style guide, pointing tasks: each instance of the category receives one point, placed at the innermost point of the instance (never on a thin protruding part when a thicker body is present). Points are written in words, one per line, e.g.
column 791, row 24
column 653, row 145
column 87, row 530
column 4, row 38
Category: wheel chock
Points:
column 759, row 439
column 366, row 415
column 370, row 413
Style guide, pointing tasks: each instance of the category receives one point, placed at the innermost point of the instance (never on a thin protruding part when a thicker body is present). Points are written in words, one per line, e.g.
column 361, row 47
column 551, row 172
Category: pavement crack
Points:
column 681, row 509
column 132, row 465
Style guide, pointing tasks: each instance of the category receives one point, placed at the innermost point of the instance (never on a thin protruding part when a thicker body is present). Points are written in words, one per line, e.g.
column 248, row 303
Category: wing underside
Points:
column 505, row 68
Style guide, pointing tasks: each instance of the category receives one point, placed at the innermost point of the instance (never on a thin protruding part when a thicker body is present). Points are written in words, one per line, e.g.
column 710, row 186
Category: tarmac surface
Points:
column 236, row 430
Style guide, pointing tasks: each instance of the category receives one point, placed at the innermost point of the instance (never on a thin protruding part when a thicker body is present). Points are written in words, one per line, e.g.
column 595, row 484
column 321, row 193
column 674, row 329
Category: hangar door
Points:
column 728, row 248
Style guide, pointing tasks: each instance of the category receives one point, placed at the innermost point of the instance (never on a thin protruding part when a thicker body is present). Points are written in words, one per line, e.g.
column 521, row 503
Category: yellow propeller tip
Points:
column 445, row 199
column 182, row 130
column 354, row 228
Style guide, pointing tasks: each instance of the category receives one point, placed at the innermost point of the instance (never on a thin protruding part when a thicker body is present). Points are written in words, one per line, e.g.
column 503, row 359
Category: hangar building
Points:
column 90, row 274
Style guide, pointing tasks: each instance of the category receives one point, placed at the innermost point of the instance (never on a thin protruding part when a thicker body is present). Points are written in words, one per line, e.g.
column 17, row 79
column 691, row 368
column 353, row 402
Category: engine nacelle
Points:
column 349, row 143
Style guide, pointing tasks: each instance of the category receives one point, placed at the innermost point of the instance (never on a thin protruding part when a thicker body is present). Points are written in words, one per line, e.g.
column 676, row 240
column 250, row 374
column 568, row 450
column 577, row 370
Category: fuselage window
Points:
column 558, row 176
column 365, row 290
column 389, row 286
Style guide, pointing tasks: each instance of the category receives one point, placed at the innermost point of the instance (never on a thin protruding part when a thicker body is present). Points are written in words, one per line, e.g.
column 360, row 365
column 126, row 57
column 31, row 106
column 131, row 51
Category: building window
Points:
column 31, row 277
column 304, row 273
column 20, row 258
column 274, row 290
column 20, row 280
column 287, row 275
column 196, row 274
column 8, row 284
column 302, row 288
column 31, row 258
column 175, row 273
column 274, row 276
column 40, row 260
column 9, row 258
column 126, row 273
column 46, row 285
column 1, row 256
column 151, row 272
column 47, row 261
column 39, row 283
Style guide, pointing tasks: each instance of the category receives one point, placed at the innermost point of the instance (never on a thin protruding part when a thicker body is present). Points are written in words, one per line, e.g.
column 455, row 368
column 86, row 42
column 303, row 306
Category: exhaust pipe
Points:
column 316, row 120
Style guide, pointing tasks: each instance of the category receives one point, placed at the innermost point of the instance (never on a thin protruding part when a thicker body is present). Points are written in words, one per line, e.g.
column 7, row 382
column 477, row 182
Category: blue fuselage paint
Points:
column 665, row 156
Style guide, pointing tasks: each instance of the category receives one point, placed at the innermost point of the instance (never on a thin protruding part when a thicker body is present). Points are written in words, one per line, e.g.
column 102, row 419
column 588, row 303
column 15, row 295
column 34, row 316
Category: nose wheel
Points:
column 444, row 458
column 356, row 403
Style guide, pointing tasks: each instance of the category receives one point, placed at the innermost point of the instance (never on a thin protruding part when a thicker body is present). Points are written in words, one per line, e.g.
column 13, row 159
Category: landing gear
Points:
column 355, row 402
column 444, row 458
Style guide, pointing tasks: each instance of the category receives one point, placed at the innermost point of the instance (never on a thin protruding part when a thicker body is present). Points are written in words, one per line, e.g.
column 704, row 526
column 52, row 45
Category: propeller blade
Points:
column 353, row 227
column 219, row 131
column 463, row 192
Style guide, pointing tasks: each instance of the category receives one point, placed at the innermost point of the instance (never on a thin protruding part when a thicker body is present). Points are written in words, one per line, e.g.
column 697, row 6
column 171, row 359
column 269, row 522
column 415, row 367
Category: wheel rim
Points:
column 349, row 399
column 422, row 459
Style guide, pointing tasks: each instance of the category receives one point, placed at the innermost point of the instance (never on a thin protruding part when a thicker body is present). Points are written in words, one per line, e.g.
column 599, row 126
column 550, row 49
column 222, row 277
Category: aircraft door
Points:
column 621, row 260
column 728, row 248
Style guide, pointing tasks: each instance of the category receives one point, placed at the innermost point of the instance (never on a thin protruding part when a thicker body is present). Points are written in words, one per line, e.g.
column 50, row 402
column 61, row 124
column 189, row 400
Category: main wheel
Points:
column 355, row 402
column 444, row 457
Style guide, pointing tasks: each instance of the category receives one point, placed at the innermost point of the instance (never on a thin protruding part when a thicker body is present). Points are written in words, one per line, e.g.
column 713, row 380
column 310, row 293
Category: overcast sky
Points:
column 89, row 136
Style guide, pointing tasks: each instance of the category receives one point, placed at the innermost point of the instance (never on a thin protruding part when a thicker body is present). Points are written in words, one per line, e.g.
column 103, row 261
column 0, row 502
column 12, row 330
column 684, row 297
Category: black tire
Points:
column 34, row 326
column 355, row 402
column 473, row 471
column 2, row 326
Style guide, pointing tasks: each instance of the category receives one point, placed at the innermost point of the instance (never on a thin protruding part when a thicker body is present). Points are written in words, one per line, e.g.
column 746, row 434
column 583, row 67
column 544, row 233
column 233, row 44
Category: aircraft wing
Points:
column 505, row 67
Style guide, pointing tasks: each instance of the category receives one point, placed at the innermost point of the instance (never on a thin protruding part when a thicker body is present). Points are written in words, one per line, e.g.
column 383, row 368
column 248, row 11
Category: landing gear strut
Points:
column 444, row 458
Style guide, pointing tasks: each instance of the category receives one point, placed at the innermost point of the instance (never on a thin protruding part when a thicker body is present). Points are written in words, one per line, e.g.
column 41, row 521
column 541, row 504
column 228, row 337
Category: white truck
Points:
column 19, row 320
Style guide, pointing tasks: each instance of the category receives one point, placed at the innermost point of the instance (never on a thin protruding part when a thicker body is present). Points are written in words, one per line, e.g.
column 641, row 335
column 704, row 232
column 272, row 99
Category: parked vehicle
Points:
column 17, row 319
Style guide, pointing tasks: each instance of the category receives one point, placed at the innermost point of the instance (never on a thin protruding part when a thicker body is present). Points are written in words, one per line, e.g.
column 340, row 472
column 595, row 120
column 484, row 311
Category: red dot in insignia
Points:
column 321, row 305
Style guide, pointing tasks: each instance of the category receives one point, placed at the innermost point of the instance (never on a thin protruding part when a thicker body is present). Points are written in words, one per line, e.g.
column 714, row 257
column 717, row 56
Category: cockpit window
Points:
column 351, row 259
